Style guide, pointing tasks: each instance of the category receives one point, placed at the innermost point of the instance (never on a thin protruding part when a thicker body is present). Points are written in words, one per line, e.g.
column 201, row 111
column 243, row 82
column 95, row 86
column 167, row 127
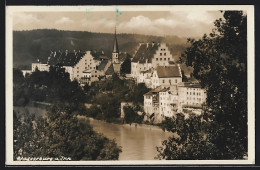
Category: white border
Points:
column 9, row 81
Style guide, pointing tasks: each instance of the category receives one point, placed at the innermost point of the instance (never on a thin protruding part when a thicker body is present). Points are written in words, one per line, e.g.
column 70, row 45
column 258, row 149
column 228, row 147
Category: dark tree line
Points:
column 220, row 64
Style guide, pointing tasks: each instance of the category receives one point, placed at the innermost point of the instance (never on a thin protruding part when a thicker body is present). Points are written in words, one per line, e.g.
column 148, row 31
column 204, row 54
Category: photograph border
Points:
column 251, row 86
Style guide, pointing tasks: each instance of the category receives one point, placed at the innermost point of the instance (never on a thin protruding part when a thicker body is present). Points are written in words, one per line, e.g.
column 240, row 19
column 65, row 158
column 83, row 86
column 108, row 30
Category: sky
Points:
column 161, row 23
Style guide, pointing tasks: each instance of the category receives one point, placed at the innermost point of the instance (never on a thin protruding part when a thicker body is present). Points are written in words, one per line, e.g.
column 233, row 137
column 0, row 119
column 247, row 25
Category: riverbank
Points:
column 133, row 125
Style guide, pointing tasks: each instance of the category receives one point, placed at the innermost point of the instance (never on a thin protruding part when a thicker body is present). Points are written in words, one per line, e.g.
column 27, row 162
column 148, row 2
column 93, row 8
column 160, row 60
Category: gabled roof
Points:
column 168, row 71
column 65, row 58
column 123, row 56
column 102, row 65
column 110, row 70
column 145, row 51
column 98, row 54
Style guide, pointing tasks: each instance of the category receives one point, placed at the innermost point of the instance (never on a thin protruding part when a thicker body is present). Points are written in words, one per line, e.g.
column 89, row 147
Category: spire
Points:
column 115, row 47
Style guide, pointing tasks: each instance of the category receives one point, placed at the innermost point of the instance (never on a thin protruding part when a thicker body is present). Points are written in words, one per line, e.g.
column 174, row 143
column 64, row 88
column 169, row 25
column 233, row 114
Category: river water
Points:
column 138, row 143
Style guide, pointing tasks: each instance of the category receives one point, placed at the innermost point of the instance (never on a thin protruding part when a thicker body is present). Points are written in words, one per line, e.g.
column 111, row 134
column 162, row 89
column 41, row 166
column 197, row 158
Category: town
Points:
column 152, row 64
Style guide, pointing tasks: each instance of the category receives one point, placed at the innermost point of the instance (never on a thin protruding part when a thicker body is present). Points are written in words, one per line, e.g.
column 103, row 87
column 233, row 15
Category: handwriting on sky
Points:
column 117, row 15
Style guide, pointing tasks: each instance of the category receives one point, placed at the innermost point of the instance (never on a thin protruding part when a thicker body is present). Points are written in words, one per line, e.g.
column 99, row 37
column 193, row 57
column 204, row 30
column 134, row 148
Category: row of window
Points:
column 162, row 54
column 190, row 98
column 170, row 81
column 198, row 94
column 157, row 59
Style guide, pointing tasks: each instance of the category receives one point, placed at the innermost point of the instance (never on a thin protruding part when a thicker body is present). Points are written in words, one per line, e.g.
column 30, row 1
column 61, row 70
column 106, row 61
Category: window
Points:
column 77, row 75
column 164, row 59
column 93, row 67
column 90, row 67
column 95, row 75
column 95, row 71
column 164, row 54
column 163, row 81
column 168, row 58
column 187, row 92
column 160, row 54
column 193, row 93
column 175, row 80
column 156, row 59
column 92, row 75
column 77, row 67
column 85, row 67
column 160, row 59
column 77, row 71
column 170, row 81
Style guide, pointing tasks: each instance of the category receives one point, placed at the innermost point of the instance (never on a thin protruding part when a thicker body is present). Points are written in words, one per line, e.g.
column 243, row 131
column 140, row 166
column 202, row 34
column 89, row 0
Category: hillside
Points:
column 28, row 46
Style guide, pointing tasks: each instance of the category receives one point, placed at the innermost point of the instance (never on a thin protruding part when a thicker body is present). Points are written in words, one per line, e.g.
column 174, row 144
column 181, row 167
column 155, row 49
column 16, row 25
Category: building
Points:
column 166, row 76
column 87, row 66
column 148, row 56
column 191, row 95
column 164, row 101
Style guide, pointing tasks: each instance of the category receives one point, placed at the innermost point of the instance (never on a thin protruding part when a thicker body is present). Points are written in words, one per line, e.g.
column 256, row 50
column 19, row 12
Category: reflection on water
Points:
column 138, row 143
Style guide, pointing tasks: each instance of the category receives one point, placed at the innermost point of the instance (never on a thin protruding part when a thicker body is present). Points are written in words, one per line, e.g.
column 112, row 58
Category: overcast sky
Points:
column 180, row 23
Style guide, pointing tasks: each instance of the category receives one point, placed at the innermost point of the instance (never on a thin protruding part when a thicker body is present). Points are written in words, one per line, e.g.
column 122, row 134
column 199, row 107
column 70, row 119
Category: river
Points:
column 138, row 143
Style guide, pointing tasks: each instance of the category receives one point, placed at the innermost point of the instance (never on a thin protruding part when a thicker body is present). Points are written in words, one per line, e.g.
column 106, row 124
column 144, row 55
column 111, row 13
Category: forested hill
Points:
column 34, row 44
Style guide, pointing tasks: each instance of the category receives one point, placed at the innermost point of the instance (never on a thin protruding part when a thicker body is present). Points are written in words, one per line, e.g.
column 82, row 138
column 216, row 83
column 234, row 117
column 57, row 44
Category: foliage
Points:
column 110, row 93
column 219, row 63
column 53, row 87
column 190, row 140
column 131, row 115
column 61, row 133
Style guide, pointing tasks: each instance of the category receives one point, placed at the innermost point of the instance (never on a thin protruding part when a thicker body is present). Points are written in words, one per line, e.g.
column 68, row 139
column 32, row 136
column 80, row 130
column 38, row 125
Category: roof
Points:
column 115, row 46
column 98, row 54
column 157, row 90
column 123, row 56
column 145, row 51
column 102, row 65
column 168, row 71
column 110, row 70
column 189, row 85
column 65, row 58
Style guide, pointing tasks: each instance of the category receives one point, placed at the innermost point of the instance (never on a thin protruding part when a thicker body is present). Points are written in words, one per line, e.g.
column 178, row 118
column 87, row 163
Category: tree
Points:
column 126, row 66
column 61, row 133
column 190, row 139
column 220, row 64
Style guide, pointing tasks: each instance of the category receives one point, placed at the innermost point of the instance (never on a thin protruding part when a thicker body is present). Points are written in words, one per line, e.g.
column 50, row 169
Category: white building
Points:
column 191, row 95
column 150, row 55
column 166, row 76
column 167, row 101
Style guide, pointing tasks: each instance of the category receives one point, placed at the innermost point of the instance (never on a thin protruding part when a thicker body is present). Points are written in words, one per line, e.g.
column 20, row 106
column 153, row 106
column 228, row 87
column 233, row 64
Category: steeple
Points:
column 115, row 52
column 115, row 49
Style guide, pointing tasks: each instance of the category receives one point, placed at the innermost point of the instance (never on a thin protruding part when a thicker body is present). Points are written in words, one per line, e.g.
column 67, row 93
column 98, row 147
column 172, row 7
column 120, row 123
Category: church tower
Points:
column 115, row 52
